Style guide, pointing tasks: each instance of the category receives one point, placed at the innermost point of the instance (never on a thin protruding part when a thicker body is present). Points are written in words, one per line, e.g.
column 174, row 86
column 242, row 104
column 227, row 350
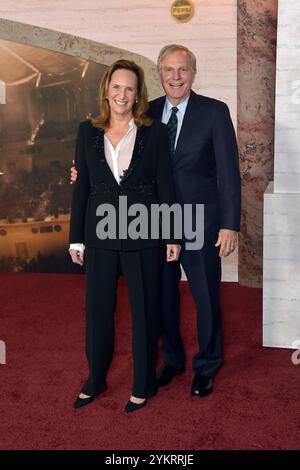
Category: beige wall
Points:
column 143, row 27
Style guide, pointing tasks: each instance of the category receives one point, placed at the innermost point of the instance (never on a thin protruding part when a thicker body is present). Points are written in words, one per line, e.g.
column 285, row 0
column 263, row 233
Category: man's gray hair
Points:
column 169, row 49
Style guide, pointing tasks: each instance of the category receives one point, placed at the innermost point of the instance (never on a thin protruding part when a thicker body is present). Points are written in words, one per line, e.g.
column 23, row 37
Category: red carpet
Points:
column 255, row 404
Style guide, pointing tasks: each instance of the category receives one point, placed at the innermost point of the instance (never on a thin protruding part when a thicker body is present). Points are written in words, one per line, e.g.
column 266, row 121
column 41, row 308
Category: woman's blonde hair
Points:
column 139, row 108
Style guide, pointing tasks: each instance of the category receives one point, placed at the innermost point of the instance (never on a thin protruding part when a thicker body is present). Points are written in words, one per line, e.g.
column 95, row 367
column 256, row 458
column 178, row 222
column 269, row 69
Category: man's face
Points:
column 177, row 76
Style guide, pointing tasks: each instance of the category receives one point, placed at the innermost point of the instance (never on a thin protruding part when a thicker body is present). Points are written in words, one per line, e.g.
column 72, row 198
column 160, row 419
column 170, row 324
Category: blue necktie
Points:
column 172, row 128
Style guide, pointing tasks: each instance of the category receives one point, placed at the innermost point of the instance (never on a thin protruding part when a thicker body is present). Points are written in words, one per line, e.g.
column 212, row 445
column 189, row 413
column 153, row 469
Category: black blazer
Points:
column 206, row 163
column 148, row 180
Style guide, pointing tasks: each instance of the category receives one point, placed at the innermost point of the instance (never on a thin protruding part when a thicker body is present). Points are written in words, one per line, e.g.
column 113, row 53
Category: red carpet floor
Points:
column 255, row 404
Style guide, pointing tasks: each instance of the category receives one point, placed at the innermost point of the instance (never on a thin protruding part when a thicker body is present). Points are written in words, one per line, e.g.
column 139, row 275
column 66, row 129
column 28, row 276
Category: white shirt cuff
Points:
column 77, row 246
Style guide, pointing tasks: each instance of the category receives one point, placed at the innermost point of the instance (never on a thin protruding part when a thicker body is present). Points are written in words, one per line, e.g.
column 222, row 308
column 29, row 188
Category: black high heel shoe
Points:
column 130, row 407
column 79, row 402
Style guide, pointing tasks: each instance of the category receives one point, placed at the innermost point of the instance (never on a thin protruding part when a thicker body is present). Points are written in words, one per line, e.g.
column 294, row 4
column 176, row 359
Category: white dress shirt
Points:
column 167, row 111
column 118, row 160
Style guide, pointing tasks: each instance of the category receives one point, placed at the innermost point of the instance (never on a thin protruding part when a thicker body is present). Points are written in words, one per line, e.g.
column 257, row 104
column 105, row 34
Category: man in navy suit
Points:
column 205, row 171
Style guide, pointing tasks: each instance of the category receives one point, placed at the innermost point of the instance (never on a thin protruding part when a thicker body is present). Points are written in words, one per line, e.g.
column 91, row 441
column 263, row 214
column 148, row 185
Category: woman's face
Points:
column 122, row 92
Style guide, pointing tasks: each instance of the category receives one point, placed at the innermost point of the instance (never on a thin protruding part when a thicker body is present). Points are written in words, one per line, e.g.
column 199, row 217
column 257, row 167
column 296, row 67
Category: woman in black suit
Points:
column 122, row 155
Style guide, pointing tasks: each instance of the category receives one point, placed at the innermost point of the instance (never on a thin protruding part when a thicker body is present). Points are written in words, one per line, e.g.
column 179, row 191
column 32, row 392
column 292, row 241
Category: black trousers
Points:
column 203, row 271
column 142, row 271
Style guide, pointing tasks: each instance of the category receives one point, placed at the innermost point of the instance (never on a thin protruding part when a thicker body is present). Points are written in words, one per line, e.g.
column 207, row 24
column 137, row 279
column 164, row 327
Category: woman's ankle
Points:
column 137, row 400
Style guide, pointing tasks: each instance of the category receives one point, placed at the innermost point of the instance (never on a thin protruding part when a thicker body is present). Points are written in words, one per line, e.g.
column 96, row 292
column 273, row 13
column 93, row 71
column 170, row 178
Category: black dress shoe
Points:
column 130, row 407
column 201, row 386
column 166, row 374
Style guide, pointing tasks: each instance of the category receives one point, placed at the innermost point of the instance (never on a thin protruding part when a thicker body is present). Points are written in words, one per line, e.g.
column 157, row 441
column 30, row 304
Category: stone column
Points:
column 255, row 110
column 281, row 280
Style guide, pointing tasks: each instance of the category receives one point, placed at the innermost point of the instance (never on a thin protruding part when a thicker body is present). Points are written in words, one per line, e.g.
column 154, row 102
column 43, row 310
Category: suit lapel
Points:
column 156, row 112
column 187, row 125
column 99, row 146
column 139, row 145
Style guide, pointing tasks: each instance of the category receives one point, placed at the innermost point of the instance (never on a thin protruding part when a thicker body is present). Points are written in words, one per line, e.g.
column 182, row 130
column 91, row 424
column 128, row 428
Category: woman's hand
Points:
column 77, row 256
column 73, row 173
column 173, row 252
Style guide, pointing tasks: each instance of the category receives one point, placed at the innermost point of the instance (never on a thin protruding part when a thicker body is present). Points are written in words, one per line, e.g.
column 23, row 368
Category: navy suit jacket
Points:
column 206, row 163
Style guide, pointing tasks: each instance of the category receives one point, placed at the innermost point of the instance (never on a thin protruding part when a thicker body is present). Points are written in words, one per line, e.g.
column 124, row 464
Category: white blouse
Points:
column 119, row 158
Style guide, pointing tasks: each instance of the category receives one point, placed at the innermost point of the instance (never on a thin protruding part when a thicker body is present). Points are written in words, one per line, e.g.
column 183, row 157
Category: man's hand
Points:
column 173, row 252
column 227, row 241
column 77, row 256
column 73, row 173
